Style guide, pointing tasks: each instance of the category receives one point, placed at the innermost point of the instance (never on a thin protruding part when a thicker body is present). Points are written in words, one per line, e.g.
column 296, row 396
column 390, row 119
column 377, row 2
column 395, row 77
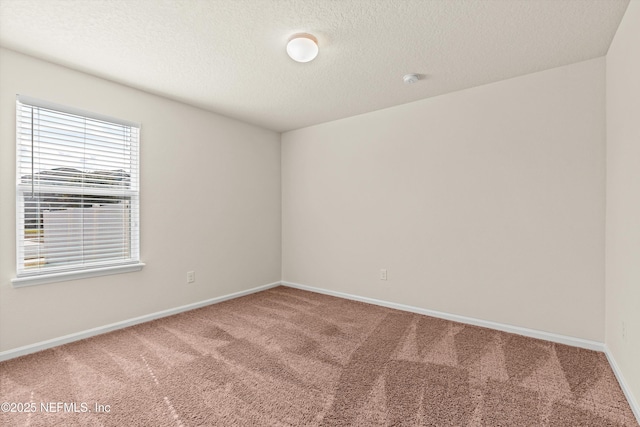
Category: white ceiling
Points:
column 228, row 56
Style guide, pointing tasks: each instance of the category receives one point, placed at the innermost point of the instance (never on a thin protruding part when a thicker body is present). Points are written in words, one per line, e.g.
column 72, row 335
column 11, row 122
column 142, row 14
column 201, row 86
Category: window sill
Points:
column 73, row 275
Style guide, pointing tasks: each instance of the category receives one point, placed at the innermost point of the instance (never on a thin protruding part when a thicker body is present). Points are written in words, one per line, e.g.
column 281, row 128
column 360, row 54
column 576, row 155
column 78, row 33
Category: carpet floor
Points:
column 290, row 357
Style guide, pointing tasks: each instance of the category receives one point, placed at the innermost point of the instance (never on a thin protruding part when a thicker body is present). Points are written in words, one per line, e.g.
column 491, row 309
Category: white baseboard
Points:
column 547, row 336
column 43, row 345
column 633, row 402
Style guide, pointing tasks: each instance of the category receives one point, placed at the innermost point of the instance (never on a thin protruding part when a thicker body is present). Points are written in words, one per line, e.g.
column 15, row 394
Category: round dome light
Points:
column 302, row 47
column 410, row 78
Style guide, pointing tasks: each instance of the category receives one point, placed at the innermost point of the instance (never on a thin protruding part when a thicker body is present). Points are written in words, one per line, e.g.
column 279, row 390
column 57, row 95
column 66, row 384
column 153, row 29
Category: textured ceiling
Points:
column 228, row 56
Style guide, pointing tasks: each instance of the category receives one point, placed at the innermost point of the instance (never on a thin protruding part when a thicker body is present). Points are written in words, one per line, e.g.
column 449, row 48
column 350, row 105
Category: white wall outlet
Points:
column 191, row 276
column 383, row 274
column 624, row 332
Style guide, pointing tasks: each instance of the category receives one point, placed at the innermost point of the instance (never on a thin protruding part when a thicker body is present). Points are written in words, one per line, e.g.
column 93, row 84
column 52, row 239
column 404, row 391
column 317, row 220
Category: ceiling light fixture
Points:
column 302, row 47
column 410, row 78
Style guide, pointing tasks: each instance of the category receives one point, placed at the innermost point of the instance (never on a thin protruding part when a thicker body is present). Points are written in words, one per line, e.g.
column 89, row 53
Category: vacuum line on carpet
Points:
column 166, row 399
column 155, row 380
column 173, row 412
column 31, row 404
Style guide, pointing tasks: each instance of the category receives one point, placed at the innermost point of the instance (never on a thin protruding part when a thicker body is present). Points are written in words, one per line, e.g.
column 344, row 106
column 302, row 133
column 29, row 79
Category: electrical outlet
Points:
column 624, row 332
column 191, row 276
column 383, row 274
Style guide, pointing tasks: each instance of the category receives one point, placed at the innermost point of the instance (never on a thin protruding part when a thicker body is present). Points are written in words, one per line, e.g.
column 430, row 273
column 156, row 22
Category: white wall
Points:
column 623, row 199
column 487, row 203
column 210, row 202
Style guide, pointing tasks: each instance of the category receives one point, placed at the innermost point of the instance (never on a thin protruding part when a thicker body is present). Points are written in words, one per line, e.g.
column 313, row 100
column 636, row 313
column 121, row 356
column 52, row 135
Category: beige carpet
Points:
column 290, row 357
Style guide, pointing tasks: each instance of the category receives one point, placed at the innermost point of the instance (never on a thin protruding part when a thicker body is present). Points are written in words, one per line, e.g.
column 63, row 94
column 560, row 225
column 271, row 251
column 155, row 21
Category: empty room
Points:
column 320, row 213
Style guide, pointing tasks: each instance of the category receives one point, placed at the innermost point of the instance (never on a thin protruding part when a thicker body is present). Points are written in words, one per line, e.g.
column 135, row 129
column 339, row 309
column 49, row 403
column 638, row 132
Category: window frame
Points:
column 72, row 271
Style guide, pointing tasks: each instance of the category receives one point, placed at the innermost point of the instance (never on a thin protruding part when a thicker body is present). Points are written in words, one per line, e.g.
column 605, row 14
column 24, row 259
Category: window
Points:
column 77, row 188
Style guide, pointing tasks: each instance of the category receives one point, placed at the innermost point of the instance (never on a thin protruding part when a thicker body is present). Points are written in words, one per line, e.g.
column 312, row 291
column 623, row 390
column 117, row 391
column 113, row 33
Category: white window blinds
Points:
column 77, row 190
